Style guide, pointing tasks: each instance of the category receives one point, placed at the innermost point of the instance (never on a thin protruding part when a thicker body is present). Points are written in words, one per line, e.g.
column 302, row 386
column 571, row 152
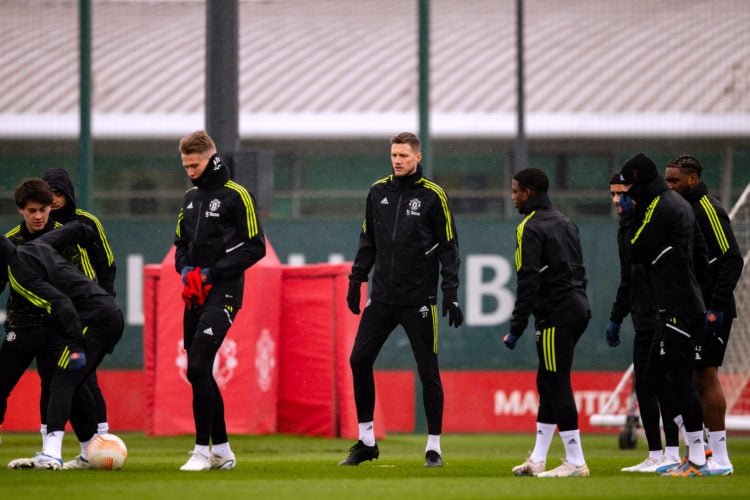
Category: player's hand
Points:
column 625, row 203
column 613, row 334
column 452, row 309
column 353, row 296
column 77, row 361
column 714, row 322
column 510, row 341
column 184, row 273
column 206, row 276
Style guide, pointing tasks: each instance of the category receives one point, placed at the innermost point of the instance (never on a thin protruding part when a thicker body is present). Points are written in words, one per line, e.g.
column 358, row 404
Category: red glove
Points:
column 193, row 289
column 204, row 293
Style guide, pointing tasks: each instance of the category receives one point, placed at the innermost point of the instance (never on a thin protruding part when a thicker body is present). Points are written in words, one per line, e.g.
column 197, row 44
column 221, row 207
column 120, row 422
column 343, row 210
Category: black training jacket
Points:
column 38, row 272
column 99, row 251
column 409, row 236
column 20, row 313
column 725, row 260
column 551, row 278
column 634, row 295
column 218, row 229
column 664, row 242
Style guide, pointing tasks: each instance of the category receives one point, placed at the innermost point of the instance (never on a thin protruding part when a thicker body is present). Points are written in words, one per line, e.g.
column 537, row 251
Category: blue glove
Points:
column 714, row 322
column 207, row 273
column 184, row 273
column 510, row 341
column 613, row 334
column 625, row 203
column 77, row 361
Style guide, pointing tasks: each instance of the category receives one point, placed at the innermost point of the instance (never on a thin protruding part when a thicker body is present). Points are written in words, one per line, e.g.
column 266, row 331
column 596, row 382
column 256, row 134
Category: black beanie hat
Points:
column 639, row 170
column 616, row 178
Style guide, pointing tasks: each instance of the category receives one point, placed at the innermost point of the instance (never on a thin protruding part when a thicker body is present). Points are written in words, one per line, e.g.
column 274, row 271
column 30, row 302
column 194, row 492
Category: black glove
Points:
column 353, row 295
column 451, row 308
column 613, row 334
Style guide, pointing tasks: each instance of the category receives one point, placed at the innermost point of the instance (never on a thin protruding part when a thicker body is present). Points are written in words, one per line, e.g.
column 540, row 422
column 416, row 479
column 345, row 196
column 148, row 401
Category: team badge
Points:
column 414, row 205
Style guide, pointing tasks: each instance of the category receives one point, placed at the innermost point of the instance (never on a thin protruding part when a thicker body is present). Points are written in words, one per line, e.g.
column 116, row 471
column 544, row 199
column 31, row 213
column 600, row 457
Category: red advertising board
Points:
column 507, row 401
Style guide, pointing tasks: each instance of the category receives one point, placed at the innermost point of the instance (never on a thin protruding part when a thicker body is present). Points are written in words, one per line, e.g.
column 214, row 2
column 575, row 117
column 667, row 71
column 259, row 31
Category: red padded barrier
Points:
column 245, row 367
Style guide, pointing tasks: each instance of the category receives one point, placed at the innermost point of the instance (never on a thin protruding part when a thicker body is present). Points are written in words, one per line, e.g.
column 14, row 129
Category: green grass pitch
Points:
column 293, row 467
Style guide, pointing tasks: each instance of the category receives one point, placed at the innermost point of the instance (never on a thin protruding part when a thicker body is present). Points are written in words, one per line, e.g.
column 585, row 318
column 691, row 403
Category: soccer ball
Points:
column 107, row 452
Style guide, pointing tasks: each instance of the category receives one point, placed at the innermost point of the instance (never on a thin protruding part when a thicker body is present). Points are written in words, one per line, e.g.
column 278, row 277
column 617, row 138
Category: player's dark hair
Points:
column 616, row 178
column 532, row 178
column 407, row 138
column 686, row 163
column 33, row 189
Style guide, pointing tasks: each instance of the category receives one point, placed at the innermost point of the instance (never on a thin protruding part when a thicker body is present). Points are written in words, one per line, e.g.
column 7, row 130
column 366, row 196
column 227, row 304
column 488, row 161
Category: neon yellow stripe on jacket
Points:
column 86, row 266
column 519, row 240
column 713, row 218
column 444, row 202
column 252, row 220
column 31, row 297
column 646, row 218
column 102, row 235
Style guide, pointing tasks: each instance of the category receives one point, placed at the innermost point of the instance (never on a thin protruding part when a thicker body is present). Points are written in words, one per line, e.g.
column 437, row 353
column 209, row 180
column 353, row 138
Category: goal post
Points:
column 735, row 372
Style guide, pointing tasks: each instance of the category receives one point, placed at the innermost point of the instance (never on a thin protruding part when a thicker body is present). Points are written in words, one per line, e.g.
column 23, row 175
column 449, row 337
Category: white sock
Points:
column 696, row 447
column 102, row 428
column 367, row 433
column 221, row 450
column 655, row 455
column 53, row 444
column 717, row 441
column 544, row 435
column 433, row 443
column 683, row 431
column 202, row 449
column 673, row 452
column 43, row 431
column 573, row 450
column 85, row 447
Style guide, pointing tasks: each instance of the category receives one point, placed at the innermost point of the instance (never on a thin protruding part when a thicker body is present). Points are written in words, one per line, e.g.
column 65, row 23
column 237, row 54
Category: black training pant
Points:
column 653, row 402
column 18, row 350
column 204, row 329
column 670, row 365
column 555, row 346
column 420, row 324
column 69, row 396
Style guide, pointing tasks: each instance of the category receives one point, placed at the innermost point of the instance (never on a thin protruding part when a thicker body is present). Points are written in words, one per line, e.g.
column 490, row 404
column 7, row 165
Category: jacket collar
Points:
column 539, row 200
column 215, row 175
column 407, row 180
column 647, row 192
column 697, row 192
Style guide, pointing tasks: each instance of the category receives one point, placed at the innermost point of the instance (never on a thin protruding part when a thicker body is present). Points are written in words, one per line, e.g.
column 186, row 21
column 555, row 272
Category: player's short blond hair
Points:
column 197, row 142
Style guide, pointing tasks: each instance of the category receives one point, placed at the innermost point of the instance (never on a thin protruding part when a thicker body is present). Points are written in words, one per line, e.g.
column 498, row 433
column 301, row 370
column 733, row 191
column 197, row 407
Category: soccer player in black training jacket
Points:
column 551, row 285
column 409, row 236
column 90, row 325
column 218, row 236
column 64, row 210
column 634, row 297
column 664, row 242
column 725, row 265
column 31, row 333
